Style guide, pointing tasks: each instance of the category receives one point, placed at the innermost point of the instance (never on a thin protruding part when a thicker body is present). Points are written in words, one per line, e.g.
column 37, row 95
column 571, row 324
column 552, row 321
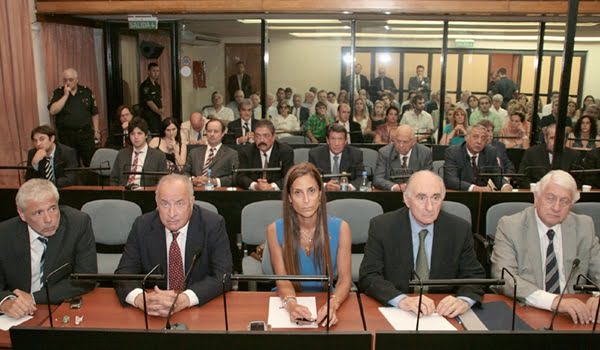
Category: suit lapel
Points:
column 440, row 248
column 55, row 243
column 22, row 251
column 345, row 161
column 569, row 245
column 195, row 238
column 406, row 256
column 157, row 234
column 533, row 247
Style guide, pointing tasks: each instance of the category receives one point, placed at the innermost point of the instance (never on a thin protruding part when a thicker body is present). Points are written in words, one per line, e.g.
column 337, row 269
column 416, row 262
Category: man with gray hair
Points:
column 243, row 127
column 177, row 233
column 42, row 238
column 234, row 105
column 497, row 108
column 540, row 244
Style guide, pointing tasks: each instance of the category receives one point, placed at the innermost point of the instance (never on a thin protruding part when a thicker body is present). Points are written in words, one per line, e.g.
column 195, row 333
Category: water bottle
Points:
column 364, row 184
column 209, row 185
column 344, row 182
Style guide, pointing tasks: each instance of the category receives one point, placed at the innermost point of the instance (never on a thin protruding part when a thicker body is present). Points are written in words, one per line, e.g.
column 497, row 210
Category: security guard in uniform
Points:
column 151, row 99
column 76, row 112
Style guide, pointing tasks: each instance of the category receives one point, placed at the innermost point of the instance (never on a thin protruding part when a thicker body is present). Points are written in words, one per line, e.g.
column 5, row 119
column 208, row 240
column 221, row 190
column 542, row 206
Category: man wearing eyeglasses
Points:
column 539, row 245
column 422, row 238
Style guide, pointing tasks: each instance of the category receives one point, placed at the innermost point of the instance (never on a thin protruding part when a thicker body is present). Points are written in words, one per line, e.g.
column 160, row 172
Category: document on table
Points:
column 6, row 322
column 407, row 321
column 279, row 317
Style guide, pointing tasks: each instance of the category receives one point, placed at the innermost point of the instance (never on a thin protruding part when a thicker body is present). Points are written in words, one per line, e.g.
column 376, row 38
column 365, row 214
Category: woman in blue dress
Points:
column 308, row 242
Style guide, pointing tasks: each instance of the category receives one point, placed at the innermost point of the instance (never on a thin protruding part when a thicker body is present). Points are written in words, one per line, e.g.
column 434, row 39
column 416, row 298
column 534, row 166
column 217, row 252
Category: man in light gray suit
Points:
column 539, row 245
column 215, row 156
column 403, row 156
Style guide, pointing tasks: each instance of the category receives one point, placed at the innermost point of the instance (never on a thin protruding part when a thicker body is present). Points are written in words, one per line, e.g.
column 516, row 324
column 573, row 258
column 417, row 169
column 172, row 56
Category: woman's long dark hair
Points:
column 593, row 127
column 163, row 127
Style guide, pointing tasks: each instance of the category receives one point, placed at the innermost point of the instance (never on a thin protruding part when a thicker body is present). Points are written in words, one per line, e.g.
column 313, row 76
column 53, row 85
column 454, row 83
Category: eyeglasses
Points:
column 551, row 199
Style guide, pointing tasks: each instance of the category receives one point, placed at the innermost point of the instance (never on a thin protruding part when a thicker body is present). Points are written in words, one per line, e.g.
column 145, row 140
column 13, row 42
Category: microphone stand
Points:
column 144, row 294
column 597, row 307
column 188, row 274
column 562, row 294
column 514, row 305
column 420, row 298
column 224, row 281
column 48, row 291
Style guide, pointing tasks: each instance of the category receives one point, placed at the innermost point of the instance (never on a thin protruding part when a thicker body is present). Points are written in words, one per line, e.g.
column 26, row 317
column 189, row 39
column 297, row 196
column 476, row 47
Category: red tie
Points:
column 134, row 167
column 176, row 280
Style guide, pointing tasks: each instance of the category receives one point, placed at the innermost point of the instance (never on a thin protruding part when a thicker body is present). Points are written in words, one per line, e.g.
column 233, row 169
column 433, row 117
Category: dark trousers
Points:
column 82, row 140
column 153, row 121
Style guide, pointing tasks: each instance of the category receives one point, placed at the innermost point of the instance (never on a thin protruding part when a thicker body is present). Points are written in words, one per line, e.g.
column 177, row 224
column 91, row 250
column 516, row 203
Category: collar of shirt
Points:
column 415, row 228
column 405, row 155
column 542, row 229
column 331, row 160
column 471, row 155
column 51, row 155
column 143, row 150
column 36, row 250
column 33, row 236
column 262, row 157
column 181, row 240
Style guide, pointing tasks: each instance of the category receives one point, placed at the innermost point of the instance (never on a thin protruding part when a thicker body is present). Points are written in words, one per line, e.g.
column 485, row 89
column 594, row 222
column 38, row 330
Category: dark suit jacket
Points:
column 282, row 156
column 72, row 243
column 155, row 161
column 592, row 161
column 458, row 172
column 147, row 246
column 388, row 263
column 233, row 86
column 356, row 135
column 235, row 127
column 64, row 157
column 388, row 84
column 351, row 162
column 424, row 88
column 364, row 83
column 389, row 163
column 507, row 165
column 222, row 166
column 304, row 115
column 537, row 160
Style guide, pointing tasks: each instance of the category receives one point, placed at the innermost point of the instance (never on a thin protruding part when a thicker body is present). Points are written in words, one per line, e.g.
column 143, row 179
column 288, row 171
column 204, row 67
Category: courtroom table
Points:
column 39, row 317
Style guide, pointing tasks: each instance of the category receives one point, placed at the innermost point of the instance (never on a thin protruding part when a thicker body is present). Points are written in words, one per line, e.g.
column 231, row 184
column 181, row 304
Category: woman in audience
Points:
column 383, row 132
column 308, row 242
column 449, row 115
column 169, row 142
column 342, row 97
column 585, row 134
column 523, row 99
column 360, row 114
column 572, row 111
column 378, row 117
column 515, row 134
column 530, row 110
column 473, row 102
column 285, row 123
column 588, row 100
column 455, row 131
column 365, row 96
column 120, row 137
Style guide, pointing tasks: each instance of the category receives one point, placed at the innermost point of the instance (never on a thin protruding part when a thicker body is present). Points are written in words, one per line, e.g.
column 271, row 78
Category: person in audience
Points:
column 418, row 119
column 271, row 108
column 332, row 104
column 503, row 160
column 309, row 102
column 359, row 80
column 388, row 101
column 547, row 108
column 353, row 128
column 76, row 116
column 420, row 83
column 382, row 84
column 365, row 96
column 169, row 142
column 553, row 119
column 256, row 106
column 223, row 113
column 300, row 112
column 539, row 159
column 456, row 129
column 592, row 161
column 504, row 87
column 450, row 115
column 512, row 107
column 192, row 131
column 434, row 103
column 289, row 93
column 360, row 115
column 585, row 134
column 189, row 232
column 343, row 97
column 403, row 156
column 308, row 242
column 323, row 97
column 285, row 123
column 316, row 126
column 48, row 158
column 280, row 94
column 539, row 245
column 497, row 107
column 464, row 162
column 593, row 111
column 522, row 99
column 266, row 152
column 464, row 100
column 138, row 158
column 379, row 116
column 43, row 229
column 119, row 137
column 220, row 159
column 243, row 128
column 239, row 81
column 406, row 105
column 338, row 157
column 516, row 133
column 383, row 132
column 485, row 112
column 530, row 111
column 588, row 100
column 420, row 237
column 473, row 103
column 572, row 110
column 234, row 105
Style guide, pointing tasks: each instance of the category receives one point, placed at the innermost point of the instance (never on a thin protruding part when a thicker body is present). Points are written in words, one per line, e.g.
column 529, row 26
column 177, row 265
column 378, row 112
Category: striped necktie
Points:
column 552, row 279
column 49, row 170
column 207, row 164
column 134, row 167
column 44, row 241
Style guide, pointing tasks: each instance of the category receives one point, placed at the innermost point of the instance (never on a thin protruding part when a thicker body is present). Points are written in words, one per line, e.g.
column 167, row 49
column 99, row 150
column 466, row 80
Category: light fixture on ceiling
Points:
column 291, row 21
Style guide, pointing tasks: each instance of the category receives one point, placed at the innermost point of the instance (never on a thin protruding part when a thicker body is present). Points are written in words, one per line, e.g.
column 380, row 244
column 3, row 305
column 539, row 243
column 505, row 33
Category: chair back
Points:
column 500, row 210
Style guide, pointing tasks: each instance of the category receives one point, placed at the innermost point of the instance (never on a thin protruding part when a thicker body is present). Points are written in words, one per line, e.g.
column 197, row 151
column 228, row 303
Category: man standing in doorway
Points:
column 151, row 99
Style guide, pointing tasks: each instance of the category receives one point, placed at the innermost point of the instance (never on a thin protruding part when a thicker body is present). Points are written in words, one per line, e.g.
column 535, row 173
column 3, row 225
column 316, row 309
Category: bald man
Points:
column 192, row 131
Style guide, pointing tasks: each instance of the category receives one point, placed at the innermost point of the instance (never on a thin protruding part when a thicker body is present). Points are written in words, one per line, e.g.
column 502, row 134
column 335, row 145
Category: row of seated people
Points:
column 537, row 245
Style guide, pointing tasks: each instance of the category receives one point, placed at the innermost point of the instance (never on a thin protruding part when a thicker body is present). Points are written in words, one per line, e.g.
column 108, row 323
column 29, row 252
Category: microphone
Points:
column 415, row 274
column 188, row 275
column 562, row 294
column 514, row 306
column 596, row 288
column 144, row 293
column 48, row 290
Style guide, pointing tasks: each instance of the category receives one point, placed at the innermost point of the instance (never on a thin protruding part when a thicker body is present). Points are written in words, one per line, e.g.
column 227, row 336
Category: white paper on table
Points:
column 6, row 321
column 279, row 317
column 407, row 321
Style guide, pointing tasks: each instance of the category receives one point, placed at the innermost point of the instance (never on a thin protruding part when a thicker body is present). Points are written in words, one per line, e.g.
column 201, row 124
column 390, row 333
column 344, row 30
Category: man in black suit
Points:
column 48, row 158
column 189, row 233
column 43, row 238
column 360, row 80
column 337, row 157
column 352, row 127
column 539, row 159
column 381, row 85
column 302, row 113
column 420, row 83
column 243, row 128
column 239, row 81
column 266, row 152
column 139, row 158
column 464, row 162
column 422, row 238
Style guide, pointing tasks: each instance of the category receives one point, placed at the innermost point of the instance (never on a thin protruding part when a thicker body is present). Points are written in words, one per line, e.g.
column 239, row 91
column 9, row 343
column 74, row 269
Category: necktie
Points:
column 240, row 78
column 336, row 164
column 422, row 264
column 474, row 167
column 199, row 137
column 211, row 156
column 357, row 85
column 246, row 128
column 134, row 166
column 48, row 170
column 265, row 164
column 176, row 279
column 44, row 241
column 382, row 85
column 404, row 162
column 552, row 280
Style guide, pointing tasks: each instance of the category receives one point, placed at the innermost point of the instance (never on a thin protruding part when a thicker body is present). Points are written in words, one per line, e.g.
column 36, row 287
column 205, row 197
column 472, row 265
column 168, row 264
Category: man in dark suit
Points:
column 420, row 83
column 48, row 159
column 266, row 152
column 421, row 238
column 239, row 81
column 139, row 158
column 189, row 233
column 302, row 113
column 243, row 128
column 539, row 159
column 352, row 127
column 464, row 162
column 592, row 161
column 505, row 163
column 381, row 85
column 337, row 157
column 220, row 159
column 360, row 80
column 43, row 238
column 403, row 156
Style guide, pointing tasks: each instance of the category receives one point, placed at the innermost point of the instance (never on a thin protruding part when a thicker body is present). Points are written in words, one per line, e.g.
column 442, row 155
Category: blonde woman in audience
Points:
column 342, row 97
column 360, row 114
column 378, row 117
column 383, row 132
column 365, row 96
column 285, row 123
column 455, row 131
column 585, row 134
column 515, row 134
